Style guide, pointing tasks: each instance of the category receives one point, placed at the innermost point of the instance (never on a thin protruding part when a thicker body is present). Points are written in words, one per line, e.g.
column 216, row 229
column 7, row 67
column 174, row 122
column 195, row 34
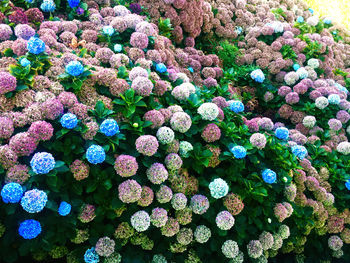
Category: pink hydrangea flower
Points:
column 8, row 82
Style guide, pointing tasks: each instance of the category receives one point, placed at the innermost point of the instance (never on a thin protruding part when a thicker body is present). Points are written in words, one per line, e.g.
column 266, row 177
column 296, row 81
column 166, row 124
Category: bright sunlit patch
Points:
column 337, row 10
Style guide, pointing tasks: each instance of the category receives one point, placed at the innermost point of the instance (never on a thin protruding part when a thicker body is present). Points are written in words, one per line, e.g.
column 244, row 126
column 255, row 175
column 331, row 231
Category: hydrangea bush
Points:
column 119, row 144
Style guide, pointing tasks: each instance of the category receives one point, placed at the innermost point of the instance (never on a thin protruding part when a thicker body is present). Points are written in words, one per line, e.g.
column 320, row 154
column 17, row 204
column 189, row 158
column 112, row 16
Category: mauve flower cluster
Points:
column 186, row 16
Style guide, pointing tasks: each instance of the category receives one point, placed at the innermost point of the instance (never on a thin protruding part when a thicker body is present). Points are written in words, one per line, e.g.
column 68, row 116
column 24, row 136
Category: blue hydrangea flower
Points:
column 108, row 30
column 11, row 193
column 95, row 154
column 42, row 163
column 347, row 184
column 341, row 87
column 35, row 45
column 24, row 62
column 296, row 67
column 161, row 68
column 257, row 75
column 64, row 208
column 69, row 121
column 218, row 188
column 48, row 6
column 109, row 127
column 299, row 151
column 73, row 3
column 237, row 106
column 91, row 256
column 311, row 11
column 190, row 69
column 300, row 19
column 118, row 48
column 334, row 99
column 238, row 30
column 74, row 68
column 34, row 201
column 239, row 152
column 29, row 229
column 327, row 21
column 269, row 176
column 282, row 133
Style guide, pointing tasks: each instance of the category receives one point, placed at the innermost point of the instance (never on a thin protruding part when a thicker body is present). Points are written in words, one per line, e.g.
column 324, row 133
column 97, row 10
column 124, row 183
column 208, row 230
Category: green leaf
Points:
column 207, row 153
column 82, row 52
column 51, row 205
column 260, row 191
column 116, row 203
column 59, row 164
column 10, row 209
column 91, row 187
column 60, row 133
column 121, row 72
column 222, row 233
column 9, row 95
column 63, row 169
column 108, row 184
column 77, row 188
column 21, row 87
column 10, row 256
column 147, row 124
column 8, row 52
column 119, row 102
column 52, row 181
column 141, row 104
column 99, row 108
column 129, row 95
column 25, row 248
column 84, row 6
column 131, row 109
column 85, row 74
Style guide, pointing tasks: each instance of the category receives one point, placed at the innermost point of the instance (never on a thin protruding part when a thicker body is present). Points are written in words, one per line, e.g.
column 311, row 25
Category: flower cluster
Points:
column 34, row 201
column 11, row 193
column 35, row 45
column 269, row 176
column 238, row 152
column 29, row 229
column 42, row 163
column 218, row 188
column 109, row 127
column 64, row 208
column 95, row 154
column 69, row 121
column 74, row 68
column 257, row 75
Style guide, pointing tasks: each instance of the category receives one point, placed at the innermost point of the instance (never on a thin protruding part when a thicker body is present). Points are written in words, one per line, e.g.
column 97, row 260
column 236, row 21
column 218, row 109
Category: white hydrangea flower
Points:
column 209, row 111
column 313, row 63
column 313, row 20
column 309, row 121
column 302, row 73
column 344, row 148
column 321, row 102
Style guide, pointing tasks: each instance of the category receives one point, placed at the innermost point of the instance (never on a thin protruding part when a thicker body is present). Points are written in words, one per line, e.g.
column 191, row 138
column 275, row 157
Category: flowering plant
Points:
column 75, row 75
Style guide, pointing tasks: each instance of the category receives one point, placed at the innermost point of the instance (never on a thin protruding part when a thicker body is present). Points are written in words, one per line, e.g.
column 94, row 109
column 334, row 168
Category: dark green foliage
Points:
column 165, row 27
column 288, row 53
column 228, row 53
